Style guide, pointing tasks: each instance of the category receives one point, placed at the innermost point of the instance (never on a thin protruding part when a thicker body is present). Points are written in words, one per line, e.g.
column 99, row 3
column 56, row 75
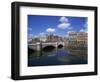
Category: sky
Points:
column 39, row 25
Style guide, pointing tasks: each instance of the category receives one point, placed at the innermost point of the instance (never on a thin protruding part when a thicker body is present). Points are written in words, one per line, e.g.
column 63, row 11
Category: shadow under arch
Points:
column 60, row 46
column 30, row 51
column 49, row 48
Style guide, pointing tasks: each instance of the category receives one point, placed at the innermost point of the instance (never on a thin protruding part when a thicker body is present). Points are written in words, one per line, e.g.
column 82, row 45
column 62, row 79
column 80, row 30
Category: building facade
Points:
column 77, row 39
column 72, row 39
column 82, row 39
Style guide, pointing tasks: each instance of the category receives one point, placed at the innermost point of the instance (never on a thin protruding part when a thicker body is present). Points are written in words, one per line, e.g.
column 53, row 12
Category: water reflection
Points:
column 57, row 56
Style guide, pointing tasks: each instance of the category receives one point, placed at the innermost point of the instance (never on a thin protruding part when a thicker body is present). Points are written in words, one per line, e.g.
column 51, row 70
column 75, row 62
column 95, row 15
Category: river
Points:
column 57, row 56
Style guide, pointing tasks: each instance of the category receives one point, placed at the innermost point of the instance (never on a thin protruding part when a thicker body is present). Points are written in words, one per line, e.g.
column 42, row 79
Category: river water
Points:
column 61, row 56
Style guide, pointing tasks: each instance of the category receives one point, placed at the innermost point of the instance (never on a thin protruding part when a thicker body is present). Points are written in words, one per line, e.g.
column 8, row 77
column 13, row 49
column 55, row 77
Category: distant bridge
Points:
column 39, row 45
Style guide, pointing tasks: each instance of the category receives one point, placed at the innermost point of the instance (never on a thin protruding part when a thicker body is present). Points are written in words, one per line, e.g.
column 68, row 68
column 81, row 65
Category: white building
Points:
column 43, row 38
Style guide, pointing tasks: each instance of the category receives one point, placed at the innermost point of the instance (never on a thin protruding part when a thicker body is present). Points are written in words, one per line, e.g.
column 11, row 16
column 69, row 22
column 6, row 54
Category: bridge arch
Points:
column 60, row 45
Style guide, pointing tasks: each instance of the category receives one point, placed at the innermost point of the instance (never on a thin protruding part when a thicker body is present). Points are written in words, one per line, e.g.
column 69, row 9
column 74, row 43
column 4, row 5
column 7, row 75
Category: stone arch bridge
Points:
column 38, row 46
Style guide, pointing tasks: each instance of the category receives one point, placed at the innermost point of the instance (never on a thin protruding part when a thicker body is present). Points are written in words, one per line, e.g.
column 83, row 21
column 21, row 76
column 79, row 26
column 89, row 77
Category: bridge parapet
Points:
column 38, row 45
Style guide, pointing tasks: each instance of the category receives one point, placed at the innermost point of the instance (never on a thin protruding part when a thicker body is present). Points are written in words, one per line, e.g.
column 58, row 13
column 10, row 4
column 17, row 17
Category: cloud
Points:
column 64, row 25
column 63, row 19
column 83, row 30
column 70, row 28
column 50, row 30
column 30, row 35
column 42, row 34
column 70, row 32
